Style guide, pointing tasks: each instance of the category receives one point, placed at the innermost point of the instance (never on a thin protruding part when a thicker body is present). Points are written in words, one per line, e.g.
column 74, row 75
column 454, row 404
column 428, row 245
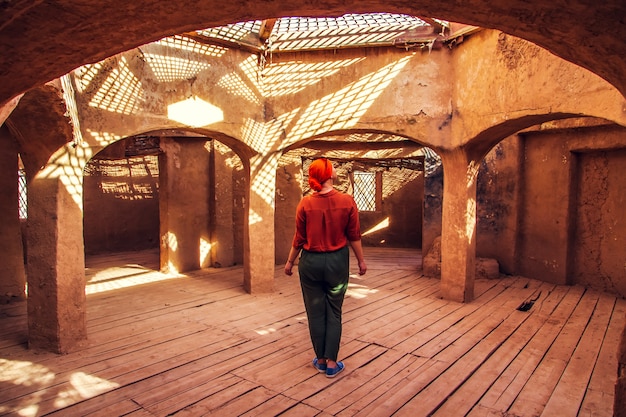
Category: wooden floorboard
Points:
column 197, row 344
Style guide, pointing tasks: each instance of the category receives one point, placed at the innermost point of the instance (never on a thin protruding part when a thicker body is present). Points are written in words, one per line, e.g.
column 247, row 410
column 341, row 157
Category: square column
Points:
column 458, row 230
column 184, row 204
column 259, row 265
column 56, row 260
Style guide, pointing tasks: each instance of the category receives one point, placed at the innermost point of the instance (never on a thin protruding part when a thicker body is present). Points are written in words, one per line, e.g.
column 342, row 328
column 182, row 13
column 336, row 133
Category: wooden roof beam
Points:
column 327, row 145
column 267, row 26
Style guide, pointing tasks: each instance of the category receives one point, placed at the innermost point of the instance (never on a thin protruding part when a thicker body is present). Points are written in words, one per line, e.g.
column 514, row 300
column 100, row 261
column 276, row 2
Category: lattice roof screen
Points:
column 308, row 33
column 348, row 30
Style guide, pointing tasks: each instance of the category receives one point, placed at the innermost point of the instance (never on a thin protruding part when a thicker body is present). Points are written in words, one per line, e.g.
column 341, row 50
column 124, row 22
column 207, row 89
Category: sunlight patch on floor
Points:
column 123, row 277
column 28, row 373
column 359, row 291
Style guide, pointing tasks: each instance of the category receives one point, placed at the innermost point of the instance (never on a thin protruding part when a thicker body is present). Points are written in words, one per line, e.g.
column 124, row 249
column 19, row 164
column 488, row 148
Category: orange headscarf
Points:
column 320, row 171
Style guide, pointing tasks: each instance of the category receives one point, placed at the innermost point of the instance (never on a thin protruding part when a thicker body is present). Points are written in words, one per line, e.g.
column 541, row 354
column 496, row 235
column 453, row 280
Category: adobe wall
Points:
column 497, row 200
column 563, row 174
column 550, row 205
column 121, row 205
column 229, row 186
column 401, row 92
column 598, row 254
column 498, row 190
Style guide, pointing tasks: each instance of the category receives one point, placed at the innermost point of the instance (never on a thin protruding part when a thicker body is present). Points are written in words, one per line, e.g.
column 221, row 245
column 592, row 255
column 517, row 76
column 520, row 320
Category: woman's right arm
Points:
column 293, row 254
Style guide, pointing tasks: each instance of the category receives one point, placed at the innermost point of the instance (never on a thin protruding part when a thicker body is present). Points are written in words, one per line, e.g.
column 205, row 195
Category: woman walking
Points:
column 326, row 223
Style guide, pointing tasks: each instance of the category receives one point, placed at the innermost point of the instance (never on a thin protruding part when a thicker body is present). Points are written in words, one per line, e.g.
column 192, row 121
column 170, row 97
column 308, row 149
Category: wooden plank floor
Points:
column 199, row 345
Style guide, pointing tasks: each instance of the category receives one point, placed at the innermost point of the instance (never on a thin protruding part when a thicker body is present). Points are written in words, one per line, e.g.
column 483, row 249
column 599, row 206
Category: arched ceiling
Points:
column 40, row 41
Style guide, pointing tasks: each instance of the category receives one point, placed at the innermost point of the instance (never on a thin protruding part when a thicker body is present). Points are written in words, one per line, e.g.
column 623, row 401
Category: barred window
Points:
column 21, row 194
column 365, row 190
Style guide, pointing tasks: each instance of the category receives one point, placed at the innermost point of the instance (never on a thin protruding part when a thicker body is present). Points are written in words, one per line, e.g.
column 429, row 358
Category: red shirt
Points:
column 326, row 222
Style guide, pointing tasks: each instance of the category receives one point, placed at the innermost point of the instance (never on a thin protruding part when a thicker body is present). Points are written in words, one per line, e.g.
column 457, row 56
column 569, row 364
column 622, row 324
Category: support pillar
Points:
column 259, row 265
column 184, row 204
column 458, row 234
column 12, row 272
column 55, row 258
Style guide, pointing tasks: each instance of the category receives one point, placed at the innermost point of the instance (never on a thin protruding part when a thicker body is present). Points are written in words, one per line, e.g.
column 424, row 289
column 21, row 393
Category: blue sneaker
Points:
column 321, row 367
column 332, row 372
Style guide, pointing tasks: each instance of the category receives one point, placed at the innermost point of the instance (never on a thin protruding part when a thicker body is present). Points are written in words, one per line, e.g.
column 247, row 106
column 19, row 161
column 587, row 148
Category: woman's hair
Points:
column 320, row 171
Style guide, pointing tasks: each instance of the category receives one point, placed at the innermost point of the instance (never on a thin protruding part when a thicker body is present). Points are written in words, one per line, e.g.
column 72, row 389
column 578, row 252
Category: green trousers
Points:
column 324, row 280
